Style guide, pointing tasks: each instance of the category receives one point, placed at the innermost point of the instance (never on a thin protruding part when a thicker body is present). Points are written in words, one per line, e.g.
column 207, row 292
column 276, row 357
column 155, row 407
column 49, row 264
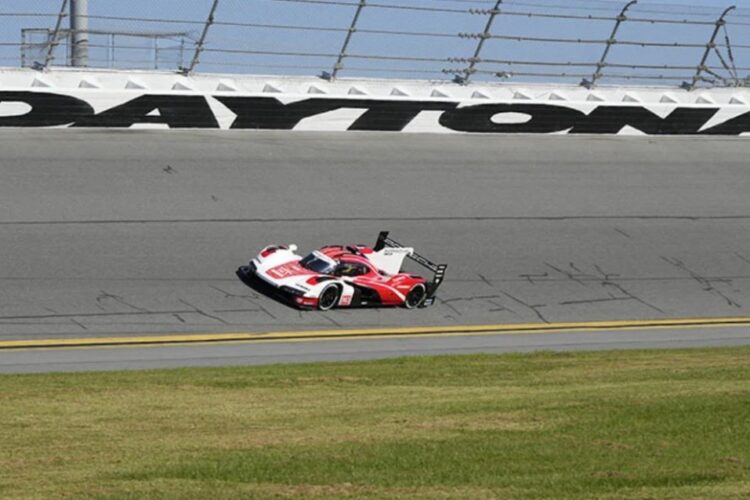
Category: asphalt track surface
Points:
column 111, row 233
column 263, row 353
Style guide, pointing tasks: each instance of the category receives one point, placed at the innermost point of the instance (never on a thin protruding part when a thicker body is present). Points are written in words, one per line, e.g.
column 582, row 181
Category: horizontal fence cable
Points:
column 663, row 66
column 669, row 9
column 510, row 74
column 507, row 12
column 378, row 6
column 131, row 34
column 599, row 41
column 582, row 64
column 388, row 6
column 327, row 54
column 673, row 10
column 518, row 38
column 314, row 67
column 270, row 52
column 27, row 14
column 130, row 47
column 292, row 27
column 160, row 20
column 519, row 63
column 277, row 26
column 262, row 65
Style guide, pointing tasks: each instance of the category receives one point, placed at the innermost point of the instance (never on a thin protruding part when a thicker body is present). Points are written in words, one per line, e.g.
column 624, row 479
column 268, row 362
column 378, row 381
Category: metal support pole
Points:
column 54, row 41
column 202, row 40
column 709, row 46
column 112, row 51
column 79, row 27
column 24, row 48
column 482, row 38
column 611, row 41
column 339, row 66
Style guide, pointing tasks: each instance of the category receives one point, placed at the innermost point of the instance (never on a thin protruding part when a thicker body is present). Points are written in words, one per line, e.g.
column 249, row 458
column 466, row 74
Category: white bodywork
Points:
column 265, row 271
column 390, row 259
column 278, row 270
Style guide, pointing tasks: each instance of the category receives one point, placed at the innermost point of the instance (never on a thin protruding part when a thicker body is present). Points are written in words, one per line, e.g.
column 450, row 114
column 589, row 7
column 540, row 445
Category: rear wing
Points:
column 437, row 269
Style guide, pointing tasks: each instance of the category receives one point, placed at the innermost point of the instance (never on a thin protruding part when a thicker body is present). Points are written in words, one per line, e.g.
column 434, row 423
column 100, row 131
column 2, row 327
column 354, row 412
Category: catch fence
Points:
column 589, row 42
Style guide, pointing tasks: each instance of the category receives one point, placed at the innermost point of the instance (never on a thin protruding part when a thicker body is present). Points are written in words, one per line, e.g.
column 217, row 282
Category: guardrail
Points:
column 460, row 40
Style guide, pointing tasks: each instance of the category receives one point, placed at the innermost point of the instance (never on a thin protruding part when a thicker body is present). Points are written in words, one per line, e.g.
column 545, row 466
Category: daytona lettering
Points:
column 194, row 111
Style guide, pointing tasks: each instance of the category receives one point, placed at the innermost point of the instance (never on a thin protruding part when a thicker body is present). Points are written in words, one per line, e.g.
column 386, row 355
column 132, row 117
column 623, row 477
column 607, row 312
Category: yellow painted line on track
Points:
column 507, row 329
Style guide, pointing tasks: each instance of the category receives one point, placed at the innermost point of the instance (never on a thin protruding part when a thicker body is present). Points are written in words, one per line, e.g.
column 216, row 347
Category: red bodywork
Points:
column 390, row 290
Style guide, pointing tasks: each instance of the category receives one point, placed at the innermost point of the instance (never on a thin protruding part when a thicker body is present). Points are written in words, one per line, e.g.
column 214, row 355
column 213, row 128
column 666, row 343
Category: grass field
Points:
column 655, row 424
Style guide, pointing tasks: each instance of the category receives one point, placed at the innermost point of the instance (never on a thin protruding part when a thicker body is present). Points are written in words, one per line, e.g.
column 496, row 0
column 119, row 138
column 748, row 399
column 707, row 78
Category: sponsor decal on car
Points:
column 287, row 271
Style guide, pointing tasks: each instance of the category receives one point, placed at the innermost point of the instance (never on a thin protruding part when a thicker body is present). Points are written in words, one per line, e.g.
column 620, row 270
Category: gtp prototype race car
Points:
column 346, row 276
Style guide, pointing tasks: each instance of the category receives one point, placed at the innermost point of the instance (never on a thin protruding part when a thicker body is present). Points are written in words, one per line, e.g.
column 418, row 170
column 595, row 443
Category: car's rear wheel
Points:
column 329, row 298
column 415, row 297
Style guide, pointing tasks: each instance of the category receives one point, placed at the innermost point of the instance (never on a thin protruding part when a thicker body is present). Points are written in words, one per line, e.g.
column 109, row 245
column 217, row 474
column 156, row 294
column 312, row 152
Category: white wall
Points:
column 223, row 102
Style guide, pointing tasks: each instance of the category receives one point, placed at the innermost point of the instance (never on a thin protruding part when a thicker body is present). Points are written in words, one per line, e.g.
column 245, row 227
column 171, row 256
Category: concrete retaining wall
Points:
column 129, row 99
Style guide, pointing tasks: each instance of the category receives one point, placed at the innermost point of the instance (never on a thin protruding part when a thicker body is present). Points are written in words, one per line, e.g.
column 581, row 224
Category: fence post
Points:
column 710, row 45
column 111, row 51
column 482, row 38
column 24, row 47
column 53, row 42
column 202, row 40
column 342, row 54
column 156, row 52
column 611, row 41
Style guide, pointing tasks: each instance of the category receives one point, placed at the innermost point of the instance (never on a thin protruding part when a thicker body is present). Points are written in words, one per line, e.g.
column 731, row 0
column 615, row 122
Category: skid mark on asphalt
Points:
column 203, row 313
column 104, row 296
column 618, row 230
column 742, row 257
column 532, row 307
column 530, row 278
column 253, row 299
column 708, row 285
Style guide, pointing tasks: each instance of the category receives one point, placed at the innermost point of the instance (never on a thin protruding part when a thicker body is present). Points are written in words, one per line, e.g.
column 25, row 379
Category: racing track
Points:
column 129, row 232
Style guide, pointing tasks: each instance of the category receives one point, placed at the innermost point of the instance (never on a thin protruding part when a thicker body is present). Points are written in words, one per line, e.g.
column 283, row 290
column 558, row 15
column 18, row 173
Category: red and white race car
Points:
column 346, row 276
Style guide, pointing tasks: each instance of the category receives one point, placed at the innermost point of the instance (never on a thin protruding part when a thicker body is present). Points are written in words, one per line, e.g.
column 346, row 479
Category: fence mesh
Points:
column 579, row 41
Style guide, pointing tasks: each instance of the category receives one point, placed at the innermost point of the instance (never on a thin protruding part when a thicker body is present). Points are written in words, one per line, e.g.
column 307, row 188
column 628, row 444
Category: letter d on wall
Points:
column 47, row 110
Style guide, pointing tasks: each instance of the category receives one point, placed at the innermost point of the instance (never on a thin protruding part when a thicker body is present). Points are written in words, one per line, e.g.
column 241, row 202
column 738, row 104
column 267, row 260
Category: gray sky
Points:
column 446, row 18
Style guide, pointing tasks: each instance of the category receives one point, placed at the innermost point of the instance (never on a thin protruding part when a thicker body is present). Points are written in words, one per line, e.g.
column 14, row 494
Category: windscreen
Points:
column 313, row 263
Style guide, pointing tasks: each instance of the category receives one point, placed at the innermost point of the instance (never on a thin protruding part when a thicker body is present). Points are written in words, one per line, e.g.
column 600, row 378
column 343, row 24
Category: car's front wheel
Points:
column 329, row 298
column 415, row 297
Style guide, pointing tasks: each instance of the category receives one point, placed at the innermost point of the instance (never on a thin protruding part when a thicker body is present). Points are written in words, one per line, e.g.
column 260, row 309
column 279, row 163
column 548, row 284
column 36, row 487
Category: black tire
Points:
column 415, row 297
column 329, row 297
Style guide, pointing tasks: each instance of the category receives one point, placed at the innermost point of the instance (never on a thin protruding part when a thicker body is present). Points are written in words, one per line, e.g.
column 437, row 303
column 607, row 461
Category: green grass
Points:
column 653, row 424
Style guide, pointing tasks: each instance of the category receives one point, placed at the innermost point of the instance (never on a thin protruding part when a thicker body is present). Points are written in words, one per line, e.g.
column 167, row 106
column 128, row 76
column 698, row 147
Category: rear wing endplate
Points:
column 438, row 269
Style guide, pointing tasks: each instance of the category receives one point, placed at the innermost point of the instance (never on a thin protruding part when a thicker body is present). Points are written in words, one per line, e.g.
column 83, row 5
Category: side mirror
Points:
column 292, row 248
